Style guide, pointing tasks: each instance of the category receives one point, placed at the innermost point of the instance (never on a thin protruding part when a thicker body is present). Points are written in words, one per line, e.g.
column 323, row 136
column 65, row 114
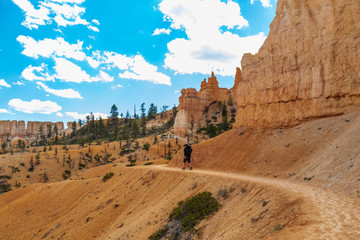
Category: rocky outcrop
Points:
column 12, row 129
column 307, row 68
column 192, row 104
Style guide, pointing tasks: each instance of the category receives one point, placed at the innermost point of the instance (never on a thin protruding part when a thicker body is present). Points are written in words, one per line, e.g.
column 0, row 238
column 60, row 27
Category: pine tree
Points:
column 143, row 120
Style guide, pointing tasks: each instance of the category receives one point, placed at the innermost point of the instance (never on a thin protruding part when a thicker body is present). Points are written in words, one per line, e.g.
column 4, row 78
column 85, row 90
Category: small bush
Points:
column 148, row 163
column 107, row 176
column 159, row 234
column 194, row 209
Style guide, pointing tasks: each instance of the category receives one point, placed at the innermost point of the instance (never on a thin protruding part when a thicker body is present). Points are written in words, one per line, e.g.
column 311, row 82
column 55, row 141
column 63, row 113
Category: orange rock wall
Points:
column 307, row 68
column 17, row 128
column 192, row 104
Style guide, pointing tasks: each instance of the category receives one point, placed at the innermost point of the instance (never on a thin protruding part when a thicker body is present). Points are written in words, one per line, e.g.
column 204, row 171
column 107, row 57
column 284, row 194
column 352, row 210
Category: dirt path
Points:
column 335, row 216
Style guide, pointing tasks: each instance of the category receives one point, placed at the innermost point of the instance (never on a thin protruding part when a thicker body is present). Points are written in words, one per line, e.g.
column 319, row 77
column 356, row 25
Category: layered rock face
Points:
column 192, row 104
column 12, row 129
column 307, row 68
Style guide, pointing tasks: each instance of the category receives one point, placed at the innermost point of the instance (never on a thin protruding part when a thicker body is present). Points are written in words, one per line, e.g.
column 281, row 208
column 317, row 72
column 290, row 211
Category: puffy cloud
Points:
column 3, row 83
column 159, row 31
column 63, row 12
column 65, row 93
column 78, row 116
column 59, row 114
column 96, row 22
column 33, row 17
column 70, row 72
column 176, row 91
column 2, row 110
column 136, row 68
column 37, row 73
column 51, row 47
column 264, row 3
column 207, row 47
column 34, row 106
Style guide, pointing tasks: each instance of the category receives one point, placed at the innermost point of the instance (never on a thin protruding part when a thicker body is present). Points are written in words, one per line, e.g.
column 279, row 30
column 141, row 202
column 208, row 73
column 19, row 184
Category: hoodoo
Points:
column 307, row 68
column 192, row 104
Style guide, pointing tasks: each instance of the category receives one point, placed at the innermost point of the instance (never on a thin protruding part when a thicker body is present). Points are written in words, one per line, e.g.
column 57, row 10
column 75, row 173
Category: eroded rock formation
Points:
column 192, row 104
column 307, row 68
column 12, row 129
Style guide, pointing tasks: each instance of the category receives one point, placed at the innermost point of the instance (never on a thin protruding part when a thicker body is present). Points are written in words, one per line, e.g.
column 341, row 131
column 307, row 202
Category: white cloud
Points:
column 136, row 68
column 3, row 83
column 78, row 116
column 65, row 93
column 70, row 72
column 50, row 48
column 59, row 114
column 2, row 110
column 96, row 22
column 207, row 48
column 95, row 29
column 34, row 106
column 19, row 83
column 177, row 92
column 37, row 73
column 33, row 17
column 116, row 86
column 159, row 31
column 63, row 12
column 264, row 3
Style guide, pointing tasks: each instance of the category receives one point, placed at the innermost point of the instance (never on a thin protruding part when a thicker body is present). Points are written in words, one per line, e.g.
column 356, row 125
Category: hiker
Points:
column 187, row 154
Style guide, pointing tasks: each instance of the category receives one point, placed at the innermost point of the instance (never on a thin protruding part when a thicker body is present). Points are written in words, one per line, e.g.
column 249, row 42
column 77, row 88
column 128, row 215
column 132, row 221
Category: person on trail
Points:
column 187, row 155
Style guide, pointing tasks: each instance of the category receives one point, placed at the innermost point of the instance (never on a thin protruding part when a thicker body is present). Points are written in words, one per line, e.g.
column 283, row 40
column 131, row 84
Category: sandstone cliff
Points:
column 13, row 129
column 193, row 104
column 307, row 68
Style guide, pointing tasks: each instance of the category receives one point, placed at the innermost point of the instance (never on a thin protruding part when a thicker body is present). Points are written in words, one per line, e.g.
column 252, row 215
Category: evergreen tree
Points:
column 114, row 111
column 152, row 111
column 73, row 128
column 135, row 115
column 114, row 114
column 143, row 120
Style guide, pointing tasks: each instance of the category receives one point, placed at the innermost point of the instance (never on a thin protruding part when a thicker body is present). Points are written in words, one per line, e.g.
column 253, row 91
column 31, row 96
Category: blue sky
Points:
column 61, row 59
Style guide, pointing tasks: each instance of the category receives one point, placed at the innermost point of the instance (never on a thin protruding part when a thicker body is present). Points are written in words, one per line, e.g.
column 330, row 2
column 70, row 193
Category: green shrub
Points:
column 107, row 176
column 194, row 209
column 159, row 234
column 148, row 163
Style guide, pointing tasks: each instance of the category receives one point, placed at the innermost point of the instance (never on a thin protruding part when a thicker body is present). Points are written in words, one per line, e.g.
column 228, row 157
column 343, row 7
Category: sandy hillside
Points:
column 262, row 171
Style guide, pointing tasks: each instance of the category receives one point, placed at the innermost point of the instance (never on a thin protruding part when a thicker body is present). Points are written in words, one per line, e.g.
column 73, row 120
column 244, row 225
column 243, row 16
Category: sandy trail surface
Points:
column 336, row 216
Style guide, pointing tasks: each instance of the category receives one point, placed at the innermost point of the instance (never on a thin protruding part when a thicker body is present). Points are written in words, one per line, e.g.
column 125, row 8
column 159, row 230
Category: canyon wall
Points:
column 12, row 129
column 307, row 68
column 193, row 103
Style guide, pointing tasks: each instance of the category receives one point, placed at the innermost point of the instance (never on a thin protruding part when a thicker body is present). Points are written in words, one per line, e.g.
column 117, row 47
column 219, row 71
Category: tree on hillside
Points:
column 114, row 111
column 152, row 111
column 73, row 128
column 114, row 114
column 143, row 119
column 135, row 115
column 164, row 109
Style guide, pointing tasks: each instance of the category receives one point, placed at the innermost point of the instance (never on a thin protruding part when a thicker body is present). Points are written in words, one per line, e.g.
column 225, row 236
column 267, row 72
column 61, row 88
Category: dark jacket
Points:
column 187, row 151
